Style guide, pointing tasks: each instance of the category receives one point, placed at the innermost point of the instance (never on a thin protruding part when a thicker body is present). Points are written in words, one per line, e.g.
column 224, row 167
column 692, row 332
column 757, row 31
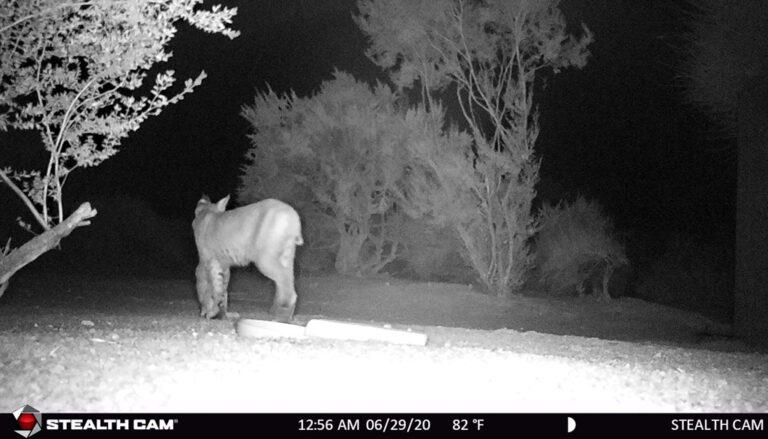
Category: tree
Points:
column 727, row 75
column 489, row 54
column 343, row 152
column 75, row 72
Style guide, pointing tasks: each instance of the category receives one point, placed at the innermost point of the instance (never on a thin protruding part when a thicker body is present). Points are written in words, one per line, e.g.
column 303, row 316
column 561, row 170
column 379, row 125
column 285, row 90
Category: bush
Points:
column 350, row 158
column 459, row 181
column 576, row 249
column 431, row 253
column 480, row 182
column 339, row 156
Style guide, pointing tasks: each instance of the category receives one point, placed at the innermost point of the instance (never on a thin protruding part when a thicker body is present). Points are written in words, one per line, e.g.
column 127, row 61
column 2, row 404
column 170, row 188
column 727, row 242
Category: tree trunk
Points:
column 18, row 258
column 348, row 256
column 751, row 275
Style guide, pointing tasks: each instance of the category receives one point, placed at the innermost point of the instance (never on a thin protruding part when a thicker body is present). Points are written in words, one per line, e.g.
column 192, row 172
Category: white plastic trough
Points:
column 354, row 331
column 329, row 329
column 266, row 328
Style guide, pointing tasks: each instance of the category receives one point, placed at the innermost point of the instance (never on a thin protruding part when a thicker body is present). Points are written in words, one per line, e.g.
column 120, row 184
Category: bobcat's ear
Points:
column 222, row 204
column 202, row 204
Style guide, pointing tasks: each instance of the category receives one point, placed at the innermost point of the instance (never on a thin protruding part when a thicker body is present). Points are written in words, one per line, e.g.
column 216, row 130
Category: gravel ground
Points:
column 120, row 345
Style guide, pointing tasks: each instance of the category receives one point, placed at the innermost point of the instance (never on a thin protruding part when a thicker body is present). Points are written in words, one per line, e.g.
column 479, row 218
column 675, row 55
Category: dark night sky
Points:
column 197, row 146
column 616, row 130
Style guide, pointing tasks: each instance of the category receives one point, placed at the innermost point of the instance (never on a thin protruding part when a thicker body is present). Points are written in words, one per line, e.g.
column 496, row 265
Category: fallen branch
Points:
column 16, row 259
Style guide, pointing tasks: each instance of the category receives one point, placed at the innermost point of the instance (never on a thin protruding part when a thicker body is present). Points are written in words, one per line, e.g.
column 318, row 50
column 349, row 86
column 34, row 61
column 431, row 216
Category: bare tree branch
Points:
column 17, row 258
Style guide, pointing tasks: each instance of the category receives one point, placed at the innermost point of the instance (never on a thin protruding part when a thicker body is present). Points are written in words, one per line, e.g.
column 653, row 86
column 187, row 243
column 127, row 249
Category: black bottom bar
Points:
column 60, row 425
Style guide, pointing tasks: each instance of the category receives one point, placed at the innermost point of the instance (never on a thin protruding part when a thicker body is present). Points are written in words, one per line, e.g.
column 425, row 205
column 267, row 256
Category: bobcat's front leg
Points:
column 212, row 282
column 204, row 289
column 224, row 273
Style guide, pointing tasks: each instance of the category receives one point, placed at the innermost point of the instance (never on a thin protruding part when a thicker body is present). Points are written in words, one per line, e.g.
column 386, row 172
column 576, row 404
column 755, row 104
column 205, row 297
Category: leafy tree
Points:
column 75, row 71
column 342, row 152
column 489, row 53
column 727, row 73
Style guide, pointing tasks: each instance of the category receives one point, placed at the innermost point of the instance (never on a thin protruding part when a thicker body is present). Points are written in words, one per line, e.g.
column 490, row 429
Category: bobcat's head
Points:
column 205, row 205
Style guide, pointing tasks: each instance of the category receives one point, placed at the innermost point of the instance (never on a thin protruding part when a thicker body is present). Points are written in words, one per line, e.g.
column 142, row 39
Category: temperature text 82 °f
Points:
column 465, row 424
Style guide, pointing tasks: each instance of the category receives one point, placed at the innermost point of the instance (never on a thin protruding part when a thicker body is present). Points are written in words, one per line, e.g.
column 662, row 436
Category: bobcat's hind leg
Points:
column 284, row 304
column 281, row 272
column 224, row 309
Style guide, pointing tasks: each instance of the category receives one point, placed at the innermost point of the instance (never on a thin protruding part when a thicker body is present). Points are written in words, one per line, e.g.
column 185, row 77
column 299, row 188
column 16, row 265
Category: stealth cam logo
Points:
column 29, row 419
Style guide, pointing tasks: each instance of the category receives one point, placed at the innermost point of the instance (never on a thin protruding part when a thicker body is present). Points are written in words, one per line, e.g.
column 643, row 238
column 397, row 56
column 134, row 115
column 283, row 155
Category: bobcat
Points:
column 264, row 233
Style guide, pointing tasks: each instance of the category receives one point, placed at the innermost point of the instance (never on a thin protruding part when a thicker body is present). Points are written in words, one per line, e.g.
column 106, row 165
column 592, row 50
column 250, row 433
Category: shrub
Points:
column 575, row 245
column 341, row 153
column 352, row 161
column 481, row 194
column 488, row 54
column 432, row 253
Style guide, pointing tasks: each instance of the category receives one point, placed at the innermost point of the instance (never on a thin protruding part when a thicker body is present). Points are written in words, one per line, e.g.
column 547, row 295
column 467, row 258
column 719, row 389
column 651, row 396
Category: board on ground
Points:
column 267, row 328
column 330, row 329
